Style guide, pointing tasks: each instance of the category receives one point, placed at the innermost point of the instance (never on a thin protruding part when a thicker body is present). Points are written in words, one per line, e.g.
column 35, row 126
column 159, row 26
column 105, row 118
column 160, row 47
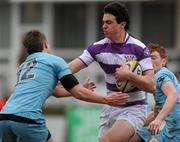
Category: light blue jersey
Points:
column 37, row 77
column 162, row 76
column 171, row 131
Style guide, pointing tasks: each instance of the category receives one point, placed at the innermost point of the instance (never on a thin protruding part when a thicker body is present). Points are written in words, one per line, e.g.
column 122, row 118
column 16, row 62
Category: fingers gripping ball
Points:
column 125, row 85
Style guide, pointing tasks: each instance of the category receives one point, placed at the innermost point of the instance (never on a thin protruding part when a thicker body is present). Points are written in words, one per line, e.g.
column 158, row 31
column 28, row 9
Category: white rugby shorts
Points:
column 135, row 115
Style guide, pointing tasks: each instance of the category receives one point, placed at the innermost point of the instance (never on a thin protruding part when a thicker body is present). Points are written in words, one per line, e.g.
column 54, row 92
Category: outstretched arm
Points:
column 116, row 98
column 71, row 84
column 87, row 95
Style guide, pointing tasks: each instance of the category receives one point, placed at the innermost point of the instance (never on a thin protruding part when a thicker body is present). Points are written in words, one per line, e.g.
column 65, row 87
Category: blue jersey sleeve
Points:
column 64, row 70
column 162, row 79
column 61, row 67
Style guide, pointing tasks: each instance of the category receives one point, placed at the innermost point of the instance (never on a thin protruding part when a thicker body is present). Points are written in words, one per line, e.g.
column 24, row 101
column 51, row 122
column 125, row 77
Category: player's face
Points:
column 110, row 26
column 157, row 61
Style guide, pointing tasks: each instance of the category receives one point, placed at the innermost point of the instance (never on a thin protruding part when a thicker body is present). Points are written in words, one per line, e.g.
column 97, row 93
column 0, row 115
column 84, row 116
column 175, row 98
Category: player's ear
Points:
column 46, row 45
column 164, row 62
column 123, row 24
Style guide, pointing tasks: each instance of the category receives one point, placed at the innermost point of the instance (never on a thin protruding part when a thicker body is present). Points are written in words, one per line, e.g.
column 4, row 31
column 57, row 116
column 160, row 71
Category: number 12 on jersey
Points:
column 25, row 70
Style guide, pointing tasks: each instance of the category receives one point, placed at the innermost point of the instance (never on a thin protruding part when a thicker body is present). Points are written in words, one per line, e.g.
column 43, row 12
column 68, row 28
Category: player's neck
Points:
column 119, row 38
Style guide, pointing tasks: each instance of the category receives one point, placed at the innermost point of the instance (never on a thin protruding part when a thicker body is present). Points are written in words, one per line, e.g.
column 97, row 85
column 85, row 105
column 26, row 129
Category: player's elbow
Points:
column 59, row 95
column 153, row 89
column 56, row 94
column 176, row 98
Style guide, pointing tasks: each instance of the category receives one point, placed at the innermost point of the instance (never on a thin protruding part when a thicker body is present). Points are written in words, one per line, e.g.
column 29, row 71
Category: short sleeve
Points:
column 145, row 60
column 162, row 79
column 61, row 67
column 86, row 57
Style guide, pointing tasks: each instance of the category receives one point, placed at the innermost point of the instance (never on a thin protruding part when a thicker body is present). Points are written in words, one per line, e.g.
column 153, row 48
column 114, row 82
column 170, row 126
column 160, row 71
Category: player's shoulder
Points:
column 135, row 41
column 163, row 70
column 162, row 73
column 50, row 58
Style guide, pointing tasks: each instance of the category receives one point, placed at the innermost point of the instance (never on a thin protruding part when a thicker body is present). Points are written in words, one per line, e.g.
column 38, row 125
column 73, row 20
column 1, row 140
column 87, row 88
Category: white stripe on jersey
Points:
column 145, row 63
column 86, row 57
column 113, row 59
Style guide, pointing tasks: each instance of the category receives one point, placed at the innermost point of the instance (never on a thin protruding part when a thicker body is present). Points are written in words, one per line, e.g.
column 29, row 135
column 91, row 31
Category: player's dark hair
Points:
column 33, row 41
column 120, row 11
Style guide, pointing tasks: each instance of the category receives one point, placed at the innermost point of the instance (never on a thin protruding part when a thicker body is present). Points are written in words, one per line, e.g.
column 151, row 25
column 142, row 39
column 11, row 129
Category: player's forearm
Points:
column 114, row 99
column 168, row 106
column 145, row 83
column 84, row 94
column 151, row 116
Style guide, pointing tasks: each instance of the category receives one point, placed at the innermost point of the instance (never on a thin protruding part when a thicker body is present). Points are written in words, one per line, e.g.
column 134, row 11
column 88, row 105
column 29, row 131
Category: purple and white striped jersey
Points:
column 111, row 55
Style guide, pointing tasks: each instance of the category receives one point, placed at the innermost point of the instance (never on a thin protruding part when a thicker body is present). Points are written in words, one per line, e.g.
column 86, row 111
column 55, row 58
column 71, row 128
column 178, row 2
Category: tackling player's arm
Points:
column 71, row 84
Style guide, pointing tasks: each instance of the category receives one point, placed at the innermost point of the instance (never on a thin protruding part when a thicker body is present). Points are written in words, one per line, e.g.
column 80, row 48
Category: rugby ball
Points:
column 126, row 86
